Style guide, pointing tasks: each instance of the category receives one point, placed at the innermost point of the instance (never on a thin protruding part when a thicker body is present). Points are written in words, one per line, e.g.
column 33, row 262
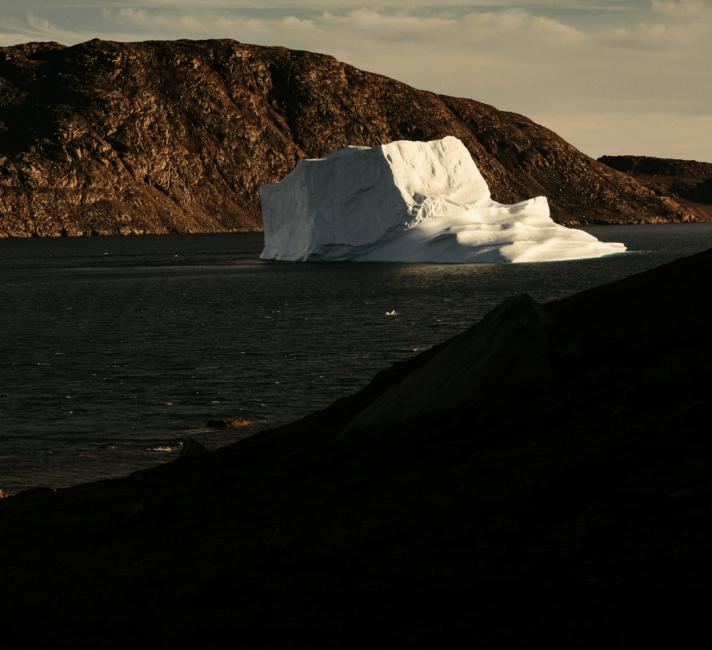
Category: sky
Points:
column 610, row 77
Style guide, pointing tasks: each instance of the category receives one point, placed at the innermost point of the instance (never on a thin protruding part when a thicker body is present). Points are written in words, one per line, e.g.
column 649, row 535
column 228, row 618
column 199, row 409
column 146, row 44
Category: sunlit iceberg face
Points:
column 409, row 202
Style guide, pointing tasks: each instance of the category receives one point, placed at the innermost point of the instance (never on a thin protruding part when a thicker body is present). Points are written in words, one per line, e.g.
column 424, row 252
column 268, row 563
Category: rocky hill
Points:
column 177, row 136
column 687, row 181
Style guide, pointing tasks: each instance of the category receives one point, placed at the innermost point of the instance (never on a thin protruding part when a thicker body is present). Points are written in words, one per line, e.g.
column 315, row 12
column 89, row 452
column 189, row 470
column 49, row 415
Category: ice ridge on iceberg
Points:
column 409, row 202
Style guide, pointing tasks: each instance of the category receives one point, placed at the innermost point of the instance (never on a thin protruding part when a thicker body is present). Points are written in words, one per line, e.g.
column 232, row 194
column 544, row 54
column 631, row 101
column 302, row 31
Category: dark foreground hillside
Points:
column 177, row 136
column 689, row 182
column 543, row 477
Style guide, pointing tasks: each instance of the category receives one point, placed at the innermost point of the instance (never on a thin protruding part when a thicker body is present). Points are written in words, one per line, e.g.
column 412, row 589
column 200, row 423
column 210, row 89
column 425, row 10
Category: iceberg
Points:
column 409, row 201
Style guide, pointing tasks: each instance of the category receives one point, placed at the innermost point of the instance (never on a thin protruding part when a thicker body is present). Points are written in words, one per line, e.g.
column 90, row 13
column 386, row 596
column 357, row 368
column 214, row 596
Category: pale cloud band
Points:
column 611, row 77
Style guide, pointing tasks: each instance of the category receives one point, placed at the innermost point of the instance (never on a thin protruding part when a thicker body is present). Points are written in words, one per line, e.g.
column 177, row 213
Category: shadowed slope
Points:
column 578, row 513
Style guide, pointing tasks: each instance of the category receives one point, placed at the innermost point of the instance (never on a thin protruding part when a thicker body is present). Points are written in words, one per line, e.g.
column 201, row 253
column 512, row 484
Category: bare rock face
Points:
column 689, row 182
column 157, row 137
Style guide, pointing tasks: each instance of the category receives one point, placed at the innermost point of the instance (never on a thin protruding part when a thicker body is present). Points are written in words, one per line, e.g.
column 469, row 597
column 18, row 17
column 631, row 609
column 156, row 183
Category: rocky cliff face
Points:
column 689, row 182
column 156, row 137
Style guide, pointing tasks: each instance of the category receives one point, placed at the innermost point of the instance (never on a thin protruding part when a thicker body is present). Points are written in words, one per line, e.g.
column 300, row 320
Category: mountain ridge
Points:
column 176, row 136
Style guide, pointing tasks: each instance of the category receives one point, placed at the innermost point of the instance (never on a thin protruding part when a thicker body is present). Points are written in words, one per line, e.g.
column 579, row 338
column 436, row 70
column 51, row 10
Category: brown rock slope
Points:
column 688, row 182
column 107, row 137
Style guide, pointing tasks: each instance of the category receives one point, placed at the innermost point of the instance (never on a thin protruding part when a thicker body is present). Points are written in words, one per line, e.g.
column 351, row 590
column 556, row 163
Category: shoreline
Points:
column 570, row 224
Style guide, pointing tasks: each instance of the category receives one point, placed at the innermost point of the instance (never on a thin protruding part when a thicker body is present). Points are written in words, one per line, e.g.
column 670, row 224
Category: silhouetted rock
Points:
column 39, row 491
column 191, row 448
column 158, row 137
column 580, row 518
column 148, row 508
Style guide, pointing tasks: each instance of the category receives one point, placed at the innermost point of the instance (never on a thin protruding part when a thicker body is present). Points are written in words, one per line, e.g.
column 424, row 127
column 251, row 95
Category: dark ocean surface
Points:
column 113, row 349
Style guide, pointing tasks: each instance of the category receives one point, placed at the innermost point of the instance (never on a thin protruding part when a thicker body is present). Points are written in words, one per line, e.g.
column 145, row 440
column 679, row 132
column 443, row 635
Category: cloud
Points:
column 299, row 6
column 373, row 20
column 679, row 39
column 449, row 29
column 521, row 23
column 212, row 25
column 35, row 28
column 10, row 38
column 678, row 8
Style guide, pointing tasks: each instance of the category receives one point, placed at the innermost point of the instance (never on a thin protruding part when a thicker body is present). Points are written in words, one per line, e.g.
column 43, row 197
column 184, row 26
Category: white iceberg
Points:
column 409, row 202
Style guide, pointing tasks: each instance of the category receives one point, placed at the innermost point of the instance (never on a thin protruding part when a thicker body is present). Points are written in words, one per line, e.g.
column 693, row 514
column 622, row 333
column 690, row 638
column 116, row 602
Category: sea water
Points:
column 113, row 349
